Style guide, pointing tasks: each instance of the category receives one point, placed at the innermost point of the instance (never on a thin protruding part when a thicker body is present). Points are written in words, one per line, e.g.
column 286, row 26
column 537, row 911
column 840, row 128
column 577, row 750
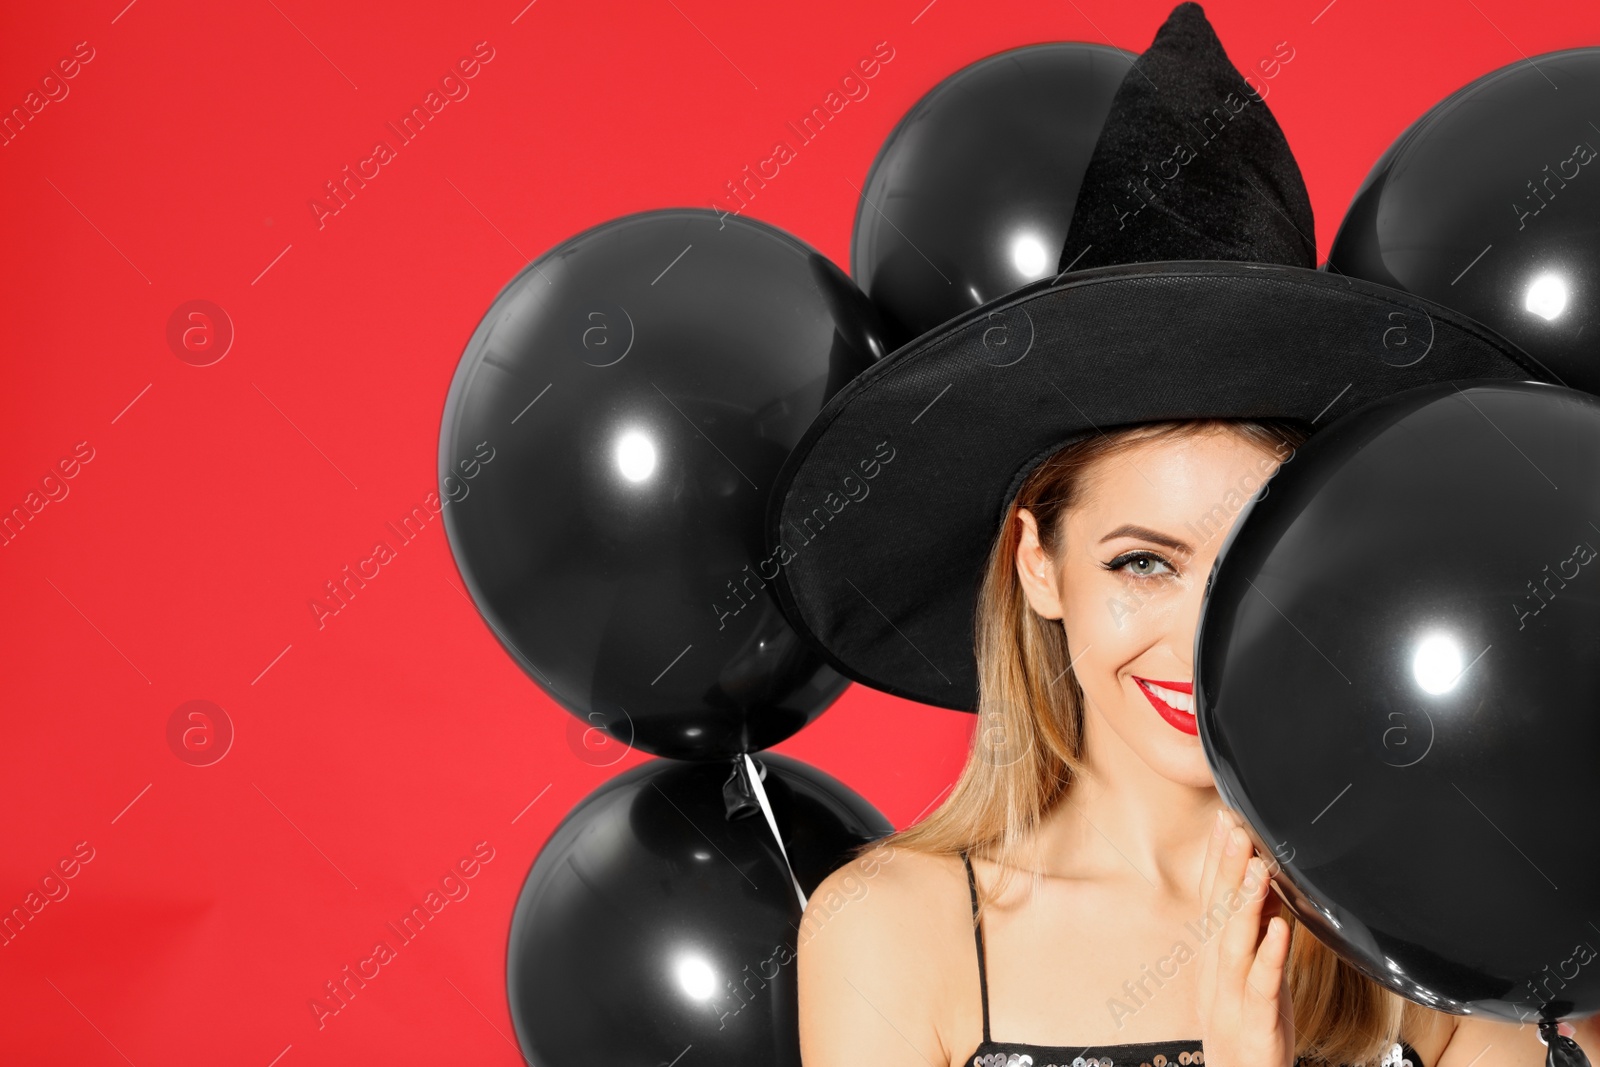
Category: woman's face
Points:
column 1133, row 562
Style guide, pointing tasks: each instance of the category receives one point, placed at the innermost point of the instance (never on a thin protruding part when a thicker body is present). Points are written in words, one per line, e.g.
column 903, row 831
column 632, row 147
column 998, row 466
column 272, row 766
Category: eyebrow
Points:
column 1144, row 533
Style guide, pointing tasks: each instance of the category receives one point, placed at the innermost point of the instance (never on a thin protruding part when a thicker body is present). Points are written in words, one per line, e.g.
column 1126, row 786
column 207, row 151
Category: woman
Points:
column 1096, row 787
column 1055, row 473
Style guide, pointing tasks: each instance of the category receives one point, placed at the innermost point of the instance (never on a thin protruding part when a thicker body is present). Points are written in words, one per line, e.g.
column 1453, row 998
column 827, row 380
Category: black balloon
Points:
column 1399, row 689
column 608, row 443
column 1490, row 204
column 653, row 921
column 970, row 196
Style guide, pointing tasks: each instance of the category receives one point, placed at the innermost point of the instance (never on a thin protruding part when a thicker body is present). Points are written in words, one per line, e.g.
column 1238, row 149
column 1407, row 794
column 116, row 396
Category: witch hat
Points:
column 1188, row 290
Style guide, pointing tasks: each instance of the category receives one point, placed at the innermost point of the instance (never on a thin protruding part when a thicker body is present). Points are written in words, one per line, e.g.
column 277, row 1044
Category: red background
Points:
column 372, row 754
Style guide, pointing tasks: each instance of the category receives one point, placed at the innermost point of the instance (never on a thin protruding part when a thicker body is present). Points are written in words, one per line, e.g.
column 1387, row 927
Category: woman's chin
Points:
column 1181, row 760
column 1172, row 755
column 1197, row 777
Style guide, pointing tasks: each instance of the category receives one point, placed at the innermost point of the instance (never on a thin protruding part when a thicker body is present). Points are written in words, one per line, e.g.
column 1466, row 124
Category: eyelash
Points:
column 1126, row 558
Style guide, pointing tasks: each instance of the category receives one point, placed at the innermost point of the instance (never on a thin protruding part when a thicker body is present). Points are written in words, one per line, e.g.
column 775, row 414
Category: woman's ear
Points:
column 1036, row 570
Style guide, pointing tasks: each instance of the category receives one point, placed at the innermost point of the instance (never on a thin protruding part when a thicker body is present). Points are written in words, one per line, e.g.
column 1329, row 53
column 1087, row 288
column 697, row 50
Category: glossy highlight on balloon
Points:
column 608, row 442
column 1398, row 688
column 1490, row 204
column 654, row 919
column 971, row 194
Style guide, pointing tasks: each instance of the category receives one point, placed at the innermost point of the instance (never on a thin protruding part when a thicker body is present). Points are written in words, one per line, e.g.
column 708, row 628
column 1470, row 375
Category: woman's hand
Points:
column 1246, row 1017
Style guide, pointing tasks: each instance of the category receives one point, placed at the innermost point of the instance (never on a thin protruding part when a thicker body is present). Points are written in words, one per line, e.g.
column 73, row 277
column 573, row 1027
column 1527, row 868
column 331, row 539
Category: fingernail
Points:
column 1217, row 824
column 1235, row 840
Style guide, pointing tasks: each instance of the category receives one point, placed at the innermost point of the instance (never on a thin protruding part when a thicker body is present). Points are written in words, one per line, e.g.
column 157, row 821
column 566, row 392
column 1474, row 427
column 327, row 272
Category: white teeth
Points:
column 1181, row 701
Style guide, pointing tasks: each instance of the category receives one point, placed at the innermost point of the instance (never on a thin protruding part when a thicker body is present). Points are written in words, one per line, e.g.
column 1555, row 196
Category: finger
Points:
column 1266, row 984
column 1242, row 931
column 1235, row 854
column 1265, row 1007
column 1272, row 904
column 1223, row 975
column 1213, row 901
column 1215, row 850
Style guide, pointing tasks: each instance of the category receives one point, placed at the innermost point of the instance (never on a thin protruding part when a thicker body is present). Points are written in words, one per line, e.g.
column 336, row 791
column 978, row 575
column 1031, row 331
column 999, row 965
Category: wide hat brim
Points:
column 885, row 512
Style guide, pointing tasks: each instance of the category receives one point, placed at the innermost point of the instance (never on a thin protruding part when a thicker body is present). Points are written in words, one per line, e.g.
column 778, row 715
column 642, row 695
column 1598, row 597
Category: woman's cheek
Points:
column 1101, row 619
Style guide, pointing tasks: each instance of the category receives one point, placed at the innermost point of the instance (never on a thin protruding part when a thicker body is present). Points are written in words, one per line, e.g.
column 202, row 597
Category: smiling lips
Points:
column 1173, row 701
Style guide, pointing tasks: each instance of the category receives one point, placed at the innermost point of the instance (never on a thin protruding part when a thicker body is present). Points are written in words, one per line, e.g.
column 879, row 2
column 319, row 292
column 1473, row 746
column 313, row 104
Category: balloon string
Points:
column 772, row 823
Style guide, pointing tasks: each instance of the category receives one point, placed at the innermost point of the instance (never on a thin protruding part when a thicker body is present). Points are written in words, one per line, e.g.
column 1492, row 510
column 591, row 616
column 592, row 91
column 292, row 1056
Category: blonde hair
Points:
column 1027, row 748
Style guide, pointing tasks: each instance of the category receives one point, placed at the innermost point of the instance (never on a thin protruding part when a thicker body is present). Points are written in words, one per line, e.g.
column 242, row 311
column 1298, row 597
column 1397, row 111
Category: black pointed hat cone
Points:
column 1190, row 165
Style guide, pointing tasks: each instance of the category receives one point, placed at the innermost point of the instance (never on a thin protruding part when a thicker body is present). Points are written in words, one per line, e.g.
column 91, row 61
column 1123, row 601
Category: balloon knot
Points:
column 738, row 799
column 1560, row 1050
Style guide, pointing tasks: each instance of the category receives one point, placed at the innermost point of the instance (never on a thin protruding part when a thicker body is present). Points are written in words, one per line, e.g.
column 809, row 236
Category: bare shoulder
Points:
column 1480, row 1041
column 884, row 895
column 882, row 966
column 1428, row 1032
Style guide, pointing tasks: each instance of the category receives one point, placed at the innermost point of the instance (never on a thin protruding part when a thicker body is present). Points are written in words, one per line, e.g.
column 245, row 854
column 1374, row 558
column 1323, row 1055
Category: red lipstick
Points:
column 1177, row 718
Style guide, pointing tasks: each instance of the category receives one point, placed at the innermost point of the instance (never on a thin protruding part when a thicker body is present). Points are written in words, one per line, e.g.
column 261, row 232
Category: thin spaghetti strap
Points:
column 977, row 933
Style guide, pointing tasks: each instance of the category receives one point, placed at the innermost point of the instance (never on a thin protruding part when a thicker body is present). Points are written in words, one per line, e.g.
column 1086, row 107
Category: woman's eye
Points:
column 1141, row 564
